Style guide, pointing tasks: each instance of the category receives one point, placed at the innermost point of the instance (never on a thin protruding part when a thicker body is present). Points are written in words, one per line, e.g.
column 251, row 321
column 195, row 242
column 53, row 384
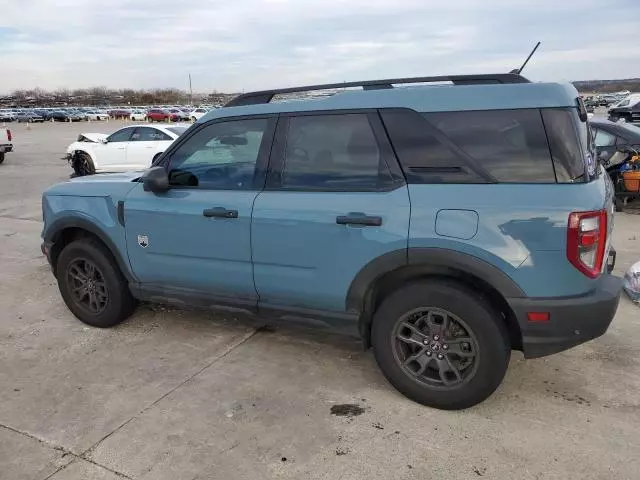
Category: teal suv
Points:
column 445, row 225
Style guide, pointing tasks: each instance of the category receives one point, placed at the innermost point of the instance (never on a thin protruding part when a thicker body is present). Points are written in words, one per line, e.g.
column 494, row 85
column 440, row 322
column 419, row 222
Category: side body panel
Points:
column 172, row 244
column 302, row 257
column 522, row 229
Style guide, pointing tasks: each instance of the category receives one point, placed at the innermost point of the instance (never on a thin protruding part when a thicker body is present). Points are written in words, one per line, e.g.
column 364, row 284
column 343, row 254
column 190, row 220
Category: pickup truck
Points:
column 5, row 142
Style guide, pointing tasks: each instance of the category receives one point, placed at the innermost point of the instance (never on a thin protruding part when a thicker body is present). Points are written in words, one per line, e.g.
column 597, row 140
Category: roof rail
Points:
column 265, row 96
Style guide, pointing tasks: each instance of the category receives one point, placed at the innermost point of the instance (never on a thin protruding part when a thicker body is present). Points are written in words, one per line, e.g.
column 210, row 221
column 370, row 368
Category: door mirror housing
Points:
column 104, row 140
column 155, row 180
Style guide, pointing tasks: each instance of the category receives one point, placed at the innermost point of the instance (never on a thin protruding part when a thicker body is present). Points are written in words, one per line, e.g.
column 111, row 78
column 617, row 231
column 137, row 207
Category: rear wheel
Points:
column 440, row 344
column 92, row 285
column 1, row 157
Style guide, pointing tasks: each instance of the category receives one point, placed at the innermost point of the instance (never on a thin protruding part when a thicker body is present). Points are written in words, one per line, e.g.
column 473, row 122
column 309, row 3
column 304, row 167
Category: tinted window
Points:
column 425, row 154
column 510, row 145
column 219, row 156
column 567, row 152
column 147, row 134
column 332, row 152
column 121, row 135
column 604, row 139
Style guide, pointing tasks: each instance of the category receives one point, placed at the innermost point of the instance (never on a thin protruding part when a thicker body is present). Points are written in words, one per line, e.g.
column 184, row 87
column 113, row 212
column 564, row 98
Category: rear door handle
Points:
column 219, row 212
column 361, row 219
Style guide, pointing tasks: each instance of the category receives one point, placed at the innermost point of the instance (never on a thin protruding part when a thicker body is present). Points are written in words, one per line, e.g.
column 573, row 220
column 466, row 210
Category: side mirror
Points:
column 104, row 140
column 155, row 180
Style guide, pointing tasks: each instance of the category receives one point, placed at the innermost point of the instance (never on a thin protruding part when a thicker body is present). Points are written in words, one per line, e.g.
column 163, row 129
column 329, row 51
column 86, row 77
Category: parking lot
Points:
column 172, row 394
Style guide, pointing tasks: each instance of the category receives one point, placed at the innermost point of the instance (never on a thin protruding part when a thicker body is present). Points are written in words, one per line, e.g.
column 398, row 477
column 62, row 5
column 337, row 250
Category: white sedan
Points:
column 197, row 114
column 96, row 115
column 128, row 149
column 138, row 115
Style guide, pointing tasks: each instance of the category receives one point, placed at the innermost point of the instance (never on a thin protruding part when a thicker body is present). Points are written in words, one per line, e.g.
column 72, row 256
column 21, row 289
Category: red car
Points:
column 119, row 113
column 158, row 115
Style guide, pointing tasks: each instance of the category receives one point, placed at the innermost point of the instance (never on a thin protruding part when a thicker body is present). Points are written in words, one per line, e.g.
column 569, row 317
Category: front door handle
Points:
column 219, row 212
column 359, row 219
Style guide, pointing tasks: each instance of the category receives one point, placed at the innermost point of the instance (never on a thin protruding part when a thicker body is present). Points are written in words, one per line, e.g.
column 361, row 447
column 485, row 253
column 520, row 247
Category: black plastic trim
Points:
column 427, row 257
column 121, row 212
column 339, row 322
column 572, row 320
column 249, row 308
column 52, row 234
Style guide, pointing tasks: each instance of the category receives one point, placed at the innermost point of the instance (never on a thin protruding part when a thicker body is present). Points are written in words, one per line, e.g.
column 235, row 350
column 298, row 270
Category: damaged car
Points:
column 127, row 149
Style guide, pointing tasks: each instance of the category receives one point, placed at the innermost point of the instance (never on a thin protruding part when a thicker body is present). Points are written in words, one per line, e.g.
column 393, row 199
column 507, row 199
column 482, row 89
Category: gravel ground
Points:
column 173, row 395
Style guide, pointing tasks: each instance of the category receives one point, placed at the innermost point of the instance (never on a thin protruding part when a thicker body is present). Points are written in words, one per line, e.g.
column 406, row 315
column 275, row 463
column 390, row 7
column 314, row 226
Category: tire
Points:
column 619, row 204
column 83, row 165
column 1, row 157
column 488, row 350
column 114, row 306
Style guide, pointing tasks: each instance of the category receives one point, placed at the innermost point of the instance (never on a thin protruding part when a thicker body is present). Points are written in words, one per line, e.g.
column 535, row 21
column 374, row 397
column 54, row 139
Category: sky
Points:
column 235, row 45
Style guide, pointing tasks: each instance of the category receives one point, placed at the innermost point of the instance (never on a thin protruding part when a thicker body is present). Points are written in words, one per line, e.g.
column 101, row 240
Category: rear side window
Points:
column 568, row 154
column 510, row 145
column 332, row 152
column 507, row 146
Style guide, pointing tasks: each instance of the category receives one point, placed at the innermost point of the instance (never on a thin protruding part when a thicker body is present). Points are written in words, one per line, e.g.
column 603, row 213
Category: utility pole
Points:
column 190, row 92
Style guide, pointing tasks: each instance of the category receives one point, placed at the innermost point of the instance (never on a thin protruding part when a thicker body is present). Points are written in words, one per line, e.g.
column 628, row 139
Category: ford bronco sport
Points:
column 445, row 225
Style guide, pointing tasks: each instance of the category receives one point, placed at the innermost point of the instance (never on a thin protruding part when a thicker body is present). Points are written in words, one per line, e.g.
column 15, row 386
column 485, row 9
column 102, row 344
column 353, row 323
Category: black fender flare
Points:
column 427, row 258
column 52, row 233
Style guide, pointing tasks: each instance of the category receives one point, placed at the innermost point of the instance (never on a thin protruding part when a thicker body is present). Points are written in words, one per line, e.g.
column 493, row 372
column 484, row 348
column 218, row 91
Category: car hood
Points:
column 91, row 137
column 115, row 185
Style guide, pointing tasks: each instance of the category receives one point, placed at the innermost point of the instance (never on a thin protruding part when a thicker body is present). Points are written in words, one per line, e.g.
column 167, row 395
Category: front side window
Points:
column 332, row 152
column 121, row 135
column 219, row 156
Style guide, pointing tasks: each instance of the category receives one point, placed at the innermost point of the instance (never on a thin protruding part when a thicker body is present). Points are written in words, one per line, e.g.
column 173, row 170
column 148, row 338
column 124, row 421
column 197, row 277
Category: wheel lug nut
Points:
column 426, row 341
column 445, row 347
column 436, row 338
column 440, row 356
column 428, row 353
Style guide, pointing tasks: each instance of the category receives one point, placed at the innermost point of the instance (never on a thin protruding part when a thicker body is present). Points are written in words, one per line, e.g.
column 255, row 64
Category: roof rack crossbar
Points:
column 265, row 96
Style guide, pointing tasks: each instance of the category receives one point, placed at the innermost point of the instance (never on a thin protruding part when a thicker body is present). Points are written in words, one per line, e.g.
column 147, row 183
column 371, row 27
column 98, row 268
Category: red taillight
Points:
column 8, row 134
column 586, row 241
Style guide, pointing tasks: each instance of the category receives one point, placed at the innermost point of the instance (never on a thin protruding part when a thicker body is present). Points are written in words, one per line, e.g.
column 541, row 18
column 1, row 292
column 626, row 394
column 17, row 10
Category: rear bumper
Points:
column 6, row 148
column 572, row 320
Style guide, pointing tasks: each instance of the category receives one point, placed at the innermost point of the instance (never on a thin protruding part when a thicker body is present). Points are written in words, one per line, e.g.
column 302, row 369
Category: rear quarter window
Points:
column 508, row 146
column 568, row 147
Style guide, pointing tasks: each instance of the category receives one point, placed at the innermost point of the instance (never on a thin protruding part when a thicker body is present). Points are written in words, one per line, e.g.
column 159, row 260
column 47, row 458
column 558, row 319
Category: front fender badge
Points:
column 143, row 241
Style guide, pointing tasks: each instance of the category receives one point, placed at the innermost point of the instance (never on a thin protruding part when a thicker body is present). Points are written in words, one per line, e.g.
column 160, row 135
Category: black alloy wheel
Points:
column 436, row 347
column 87, row 286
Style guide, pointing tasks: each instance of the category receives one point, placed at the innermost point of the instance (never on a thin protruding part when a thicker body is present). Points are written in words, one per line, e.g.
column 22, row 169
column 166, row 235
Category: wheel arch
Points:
column 392, row 270
column 63, row 232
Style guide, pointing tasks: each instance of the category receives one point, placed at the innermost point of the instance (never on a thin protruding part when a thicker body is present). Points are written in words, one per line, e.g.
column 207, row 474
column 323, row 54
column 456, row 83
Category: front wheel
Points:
column 92, row 285
column 83, row 165
column 440, row 344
